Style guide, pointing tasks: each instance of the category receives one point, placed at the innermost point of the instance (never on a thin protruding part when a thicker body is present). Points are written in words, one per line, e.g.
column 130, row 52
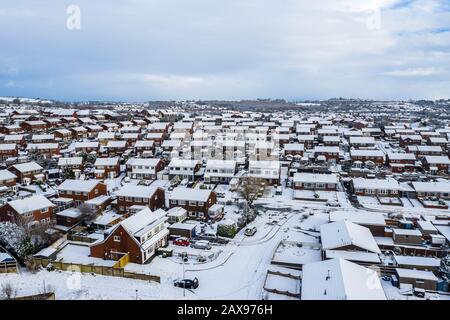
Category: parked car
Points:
column 250, row 231
column 186, row 283
column 420, row 293
column 209, row 236
column 332, row 203
column 184, row 242
column 201, row 244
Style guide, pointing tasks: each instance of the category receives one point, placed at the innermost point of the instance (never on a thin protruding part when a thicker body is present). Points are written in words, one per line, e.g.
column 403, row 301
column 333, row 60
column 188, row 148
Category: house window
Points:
column 117, row 238
column 192, row 203
column 44, row 210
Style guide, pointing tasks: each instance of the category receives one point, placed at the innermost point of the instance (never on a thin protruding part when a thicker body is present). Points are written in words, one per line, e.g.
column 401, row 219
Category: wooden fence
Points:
column 8, row 267
column 122, row 262
column 101, row 270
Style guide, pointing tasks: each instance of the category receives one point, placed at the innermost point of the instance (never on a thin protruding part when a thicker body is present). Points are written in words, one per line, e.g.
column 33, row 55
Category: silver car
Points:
column 201, row 244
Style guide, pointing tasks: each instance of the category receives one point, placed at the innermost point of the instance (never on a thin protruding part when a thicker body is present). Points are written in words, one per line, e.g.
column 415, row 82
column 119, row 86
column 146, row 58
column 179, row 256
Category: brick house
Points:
column 30, row 210
column 139, row 235
column 376, row 187
column 195, row 201
column 63, row 134
column 9, row 150
column 133, row 195
column 400, row 162
column 436, row 163
column 81, row 191
column 46, row 149
column 86, row 146
column 329, row 153
column 142, row 146
column 107, row 168
column 27, row 172
column 34, row 126
column 144, row 168
column 376, row 156
column 8, row 179
column 311, row 181
column 183, row 168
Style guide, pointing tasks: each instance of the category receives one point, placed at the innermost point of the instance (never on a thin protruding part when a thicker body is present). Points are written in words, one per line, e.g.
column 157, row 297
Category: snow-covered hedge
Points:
column 227, row 228
column 14, row 239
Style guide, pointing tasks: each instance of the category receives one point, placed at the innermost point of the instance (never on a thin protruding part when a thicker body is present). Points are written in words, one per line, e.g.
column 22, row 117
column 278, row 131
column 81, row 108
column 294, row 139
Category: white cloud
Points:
column 414, row 72
column 177, row 49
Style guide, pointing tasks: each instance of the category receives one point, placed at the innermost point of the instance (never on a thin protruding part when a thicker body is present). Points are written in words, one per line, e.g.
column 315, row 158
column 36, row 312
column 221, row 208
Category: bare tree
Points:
column 251, row 189
column 8, row 291
column 87, row 213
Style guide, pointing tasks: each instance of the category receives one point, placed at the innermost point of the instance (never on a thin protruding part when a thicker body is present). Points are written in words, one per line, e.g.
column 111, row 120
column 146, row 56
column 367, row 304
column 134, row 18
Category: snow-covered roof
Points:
column 107, row 161
column 264, row 164
column 339, row 279
column 306, row 177
column 73, row 161
column 78, row 185
column 221, row 164
column 417, row 261
column 130, row 191
column 416, row 274
column 142, row 219
column 43, row 137
column 86, row 144
column 443, row 187
column 70, row 213
column 41, row 146
column 188, row 194
column 379, row 184
column 143, row 143
column 437, row 159
column 401, row 156
column 294, row 147
column 359, row 217
column 407, row 232
column 425, row 148
column 362, row 140
column 107, row 218
column 176, row 212
column 143, row 162
column 355, row 256
column 7, row 146
column 345, row 233
column 116, row 144
column 28, row 166
column 367, row 153
column 326, row 149
column 6, row 175
column 30, row 204
column 184, row 163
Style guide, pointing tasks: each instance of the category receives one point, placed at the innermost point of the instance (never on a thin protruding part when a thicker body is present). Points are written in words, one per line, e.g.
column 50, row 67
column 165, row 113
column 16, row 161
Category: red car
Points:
column 184, row 242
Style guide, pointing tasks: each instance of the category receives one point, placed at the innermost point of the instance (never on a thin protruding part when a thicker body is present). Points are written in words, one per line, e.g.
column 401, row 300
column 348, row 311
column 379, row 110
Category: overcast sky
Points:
column 137, row 50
